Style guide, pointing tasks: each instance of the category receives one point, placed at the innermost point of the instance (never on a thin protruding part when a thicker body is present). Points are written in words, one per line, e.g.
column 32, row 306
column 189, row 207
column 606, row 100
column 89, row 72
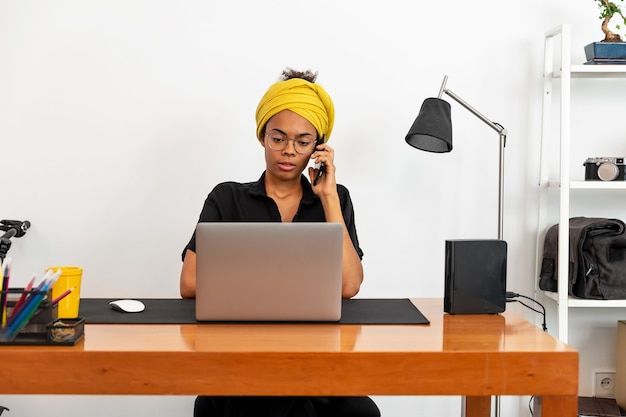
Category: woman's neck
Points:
column 282, row 189
column 286, row 195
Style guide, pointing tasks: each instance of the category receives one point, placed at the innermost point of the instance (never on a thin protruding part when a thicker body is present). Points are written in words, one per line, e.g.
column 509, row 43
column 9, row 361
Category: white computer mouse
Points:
column 128, row 306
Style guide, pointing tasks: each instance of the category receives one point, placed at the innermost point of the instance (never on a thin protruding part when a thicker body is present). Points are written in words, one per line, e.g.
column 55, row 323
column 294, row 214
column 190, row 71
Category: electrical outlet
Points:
column 605, row 384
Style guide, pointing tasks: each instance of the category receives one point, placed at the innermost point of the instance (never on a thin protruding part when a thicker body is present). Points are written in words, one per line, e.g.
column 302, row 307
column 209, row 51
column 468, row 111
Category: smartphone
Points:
column 321, row 169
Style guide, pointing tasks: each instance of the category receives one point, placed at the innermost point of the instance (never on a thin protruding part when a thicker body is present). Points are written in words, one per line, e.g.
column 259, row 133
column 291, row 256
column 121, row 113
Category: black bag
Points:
column 597, row 259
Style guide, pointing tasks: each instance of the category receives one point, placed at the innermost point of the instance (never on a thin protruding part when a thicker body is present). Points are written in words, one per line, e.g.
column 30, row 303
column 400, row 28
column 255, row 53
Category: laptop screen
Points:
column 268, row 271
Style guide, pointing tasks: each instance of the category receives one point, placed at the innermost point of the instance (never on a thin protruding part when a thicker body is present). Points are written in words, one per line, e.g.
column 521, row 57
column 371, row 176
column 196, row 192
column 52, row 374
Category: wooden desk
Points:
column 476, row 356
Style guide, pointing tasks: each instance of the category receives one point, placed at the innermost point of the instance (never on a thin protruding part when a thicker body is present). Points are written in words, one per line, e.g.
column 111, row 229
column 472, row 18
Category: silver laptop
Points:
column 268, row 271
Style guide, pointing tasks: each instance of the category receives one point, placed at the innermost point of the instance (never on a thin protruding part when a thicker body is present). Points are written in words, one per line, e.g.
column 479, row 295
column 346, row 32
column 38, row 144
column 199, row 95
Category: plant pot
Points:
column 606, row 53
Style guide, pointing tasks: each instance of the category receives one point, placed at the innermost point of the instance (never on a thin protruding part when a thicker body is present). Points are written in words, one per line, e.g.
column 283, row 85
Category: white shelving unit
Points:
column 558, row 68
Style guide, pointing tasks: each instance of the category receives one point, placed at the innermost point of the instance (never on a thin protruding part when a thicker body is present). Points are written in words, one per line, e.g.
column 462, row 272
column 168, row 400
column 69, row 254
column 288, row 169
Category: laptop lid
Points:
column 268, row 271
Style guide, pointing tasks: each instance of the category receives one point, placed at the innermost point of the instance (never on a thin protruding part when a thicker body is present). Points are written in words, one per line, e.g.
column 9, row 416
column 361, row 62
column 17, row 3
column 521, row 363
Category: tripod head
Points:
column 11, row 228
column 19, row 227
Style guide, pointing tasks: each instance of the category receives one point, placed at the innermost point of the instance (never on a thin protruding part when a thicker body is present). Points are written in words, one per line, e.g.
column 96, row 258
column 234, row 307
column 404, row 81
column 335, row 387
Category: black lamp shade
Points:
column 432, row 129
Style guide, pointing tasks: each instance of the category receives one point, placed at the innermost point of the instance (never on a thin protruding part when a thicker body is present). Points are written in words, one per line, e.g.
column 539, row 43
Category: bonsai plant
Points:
column 612, row 49
column 608, row 9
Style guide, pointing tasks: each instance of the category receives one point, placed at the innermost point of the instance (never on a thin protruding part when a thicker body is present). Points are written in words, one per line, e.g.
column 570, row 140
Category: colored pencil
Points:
column 62, row 296
column 28, row 287
column 1, row 287
column 6, row 268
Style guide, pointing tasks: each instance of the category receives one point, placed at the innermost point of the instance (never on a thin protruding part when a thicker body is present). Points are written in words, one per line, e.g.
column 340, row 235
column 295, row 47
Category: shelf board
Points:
column 591, row 185
column 598, row 185
column 580, row 302
column 602, row 70
column 592, row 71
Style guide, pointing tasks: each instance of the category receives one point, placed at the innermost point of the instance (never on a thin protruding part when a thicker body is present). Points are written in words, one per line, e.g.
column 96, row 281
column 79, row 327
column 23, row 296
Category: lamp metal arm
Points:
column 495, row 126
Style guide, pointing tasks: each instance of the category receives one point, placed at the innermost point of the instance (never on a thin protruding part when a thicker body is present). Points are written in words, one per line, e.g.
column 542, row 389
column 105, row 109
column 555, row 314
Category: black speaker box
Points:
column 475, row 276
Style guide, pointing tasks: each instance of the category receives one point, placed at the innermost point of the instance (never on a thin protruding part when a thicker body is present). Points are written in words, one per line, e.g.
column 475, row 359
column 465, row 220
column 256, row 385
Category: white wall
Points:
column 118, row 117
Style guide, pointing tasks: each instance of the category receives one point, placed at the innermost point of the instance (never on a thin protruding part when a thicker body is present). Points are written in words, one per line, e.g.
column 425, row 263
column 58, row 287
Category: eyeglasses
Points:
column 277, row 142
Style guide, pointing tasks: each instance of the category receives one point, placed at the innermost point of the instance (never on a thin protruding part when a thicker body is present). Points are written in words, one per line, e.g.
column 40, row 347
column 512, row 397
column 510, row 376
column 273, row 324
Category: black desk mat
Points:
column 183, row 311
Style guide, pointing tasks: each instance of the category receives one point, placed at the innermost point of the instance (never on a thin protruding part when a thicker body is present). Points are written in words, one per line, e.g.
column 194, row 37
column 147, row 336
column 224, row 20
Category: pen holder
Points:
column 45, row 314
column 43, row 326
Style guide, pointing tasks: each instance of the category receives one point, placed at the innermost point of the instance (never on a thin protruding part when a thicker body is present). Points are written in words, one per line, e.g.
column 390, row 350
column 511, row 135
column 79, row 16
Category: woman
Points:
column 294, row 119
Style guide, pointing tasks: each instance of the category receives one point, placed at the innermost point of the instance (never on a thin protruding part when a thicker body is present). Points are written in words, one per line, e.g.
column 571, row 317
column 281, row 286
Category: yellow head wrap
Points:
column 306, row 99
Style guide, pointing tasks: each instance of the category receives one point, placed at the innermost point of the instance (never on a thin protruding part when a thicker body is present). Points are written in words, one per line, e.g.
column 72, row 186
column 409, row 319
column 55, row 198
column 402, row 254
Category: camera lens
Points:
column 608, row 171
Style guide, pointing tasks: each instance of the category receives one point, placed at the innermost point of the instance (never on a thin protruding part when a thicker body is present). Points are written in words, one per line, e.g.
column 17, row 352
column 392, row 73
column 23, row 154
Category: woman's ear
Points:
column 262, row 141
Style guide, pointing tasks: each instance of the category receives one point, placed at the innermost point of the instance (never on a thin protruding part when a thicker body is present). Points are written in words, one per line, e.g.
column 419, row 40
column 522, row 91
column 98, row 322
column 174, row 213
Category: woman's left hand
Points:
column 323, row 182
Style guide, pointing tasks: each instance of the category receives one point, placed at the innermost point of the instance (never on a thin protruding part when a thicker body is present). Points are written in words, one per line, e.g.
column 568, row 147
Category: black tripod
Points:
column 11, row 228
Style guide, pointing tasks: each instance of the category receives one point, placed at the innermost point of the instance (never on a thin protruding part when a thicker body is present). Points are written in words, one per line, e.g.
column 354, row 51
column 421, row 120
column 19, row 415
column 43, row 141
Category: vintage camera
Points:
column 604, row 169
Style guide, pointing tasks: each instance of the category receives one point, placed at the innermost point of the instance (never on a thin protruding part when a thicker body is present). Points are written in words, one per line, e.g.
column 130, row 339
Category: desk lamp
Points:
column 475, row 269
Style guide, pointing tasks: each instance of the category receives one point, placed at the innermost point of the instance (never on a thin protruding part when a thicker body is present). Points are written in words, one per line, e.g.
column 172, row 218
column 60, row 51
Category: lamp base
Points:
column 475, row 276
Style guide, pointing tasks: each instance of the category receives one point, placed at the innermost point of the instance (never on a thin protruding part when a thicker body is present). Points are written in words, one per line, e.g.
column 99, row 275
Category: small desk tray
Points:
column 61, row 332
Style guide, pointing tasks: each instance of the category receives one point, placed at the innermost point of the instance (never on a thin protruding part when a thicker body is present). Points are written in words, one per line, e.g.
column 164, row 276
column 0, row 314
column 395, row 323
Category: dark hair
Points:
column 289, row 73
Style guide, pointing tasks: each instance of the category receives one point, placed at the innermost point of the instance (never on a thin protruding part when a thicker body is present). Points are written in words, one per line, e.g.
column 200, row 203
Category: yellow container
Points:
column 71, row 277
